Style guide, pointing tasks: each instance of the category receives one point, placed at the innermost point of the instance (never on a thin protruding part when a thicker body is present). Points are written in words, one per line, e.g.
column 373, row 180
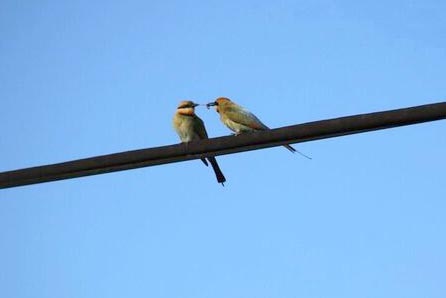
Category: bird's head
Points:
column 186, row 104
column 221, row 101
column 186, row 107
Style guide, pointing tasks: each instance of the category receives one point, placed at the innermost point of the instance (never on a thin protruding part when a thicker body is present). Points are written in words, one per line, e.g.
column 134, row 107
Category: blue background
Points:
column 364, row 218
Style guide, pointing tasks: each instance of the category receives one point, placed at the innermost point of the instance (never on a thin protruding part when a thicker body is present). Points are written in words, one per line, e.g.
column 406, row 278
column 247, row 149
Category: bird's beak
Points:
column 211, row 104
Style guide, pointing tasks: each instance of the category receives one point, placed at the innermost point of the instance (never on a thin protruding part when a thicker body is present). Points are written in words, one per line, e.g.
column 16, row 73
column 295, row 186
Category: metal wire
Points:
column 224, row 145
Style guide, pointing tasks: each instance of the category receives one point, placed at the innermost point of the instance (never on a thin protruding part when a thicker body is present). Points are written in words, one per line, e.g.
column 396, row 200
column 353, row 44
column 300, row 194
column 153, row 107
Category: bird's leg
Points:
column 237, row 133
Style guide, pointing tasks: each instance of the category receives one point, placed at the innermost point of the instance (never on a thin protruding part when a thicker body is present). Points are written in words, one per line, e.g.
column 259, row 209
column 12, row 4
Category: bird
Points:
column 240, row 120
column 190, row 127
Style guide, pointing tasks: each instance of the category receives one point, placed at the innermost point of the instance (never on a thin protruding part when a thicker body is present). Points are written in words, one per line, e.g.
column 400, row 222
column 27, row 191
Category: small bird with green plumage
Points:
column 240, row 120
column 190, row 127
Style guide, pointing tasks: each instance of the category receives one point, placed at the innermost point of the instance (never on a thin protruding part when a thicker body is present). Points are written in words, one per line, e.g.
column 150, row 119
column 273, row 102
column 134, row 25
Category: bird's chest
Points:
column 186, row 131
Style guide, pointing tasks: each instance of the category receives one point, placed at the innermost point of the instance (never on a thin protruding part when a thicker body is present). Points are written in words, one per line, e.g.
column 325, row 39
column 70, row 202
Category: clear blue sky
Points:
column 364, row 218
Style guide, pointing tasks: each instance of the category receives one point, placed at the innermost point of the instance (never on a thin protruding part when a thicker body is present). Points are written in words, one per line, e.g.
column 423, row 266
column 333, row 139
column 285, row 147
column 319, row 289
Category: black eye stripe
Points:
column 186, row 106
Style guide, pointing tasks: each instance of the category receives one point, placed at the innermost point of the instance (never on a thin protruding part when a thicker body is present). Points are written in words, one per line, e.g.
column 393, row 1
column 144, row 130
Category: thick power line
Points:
column 224, row 145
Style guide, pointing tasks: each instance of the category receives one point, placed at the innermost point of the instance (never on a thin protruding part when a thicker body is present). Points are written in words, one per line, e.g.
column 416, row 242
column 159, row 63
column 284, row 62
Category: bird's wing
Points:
column 199, row 128
column 245, row 117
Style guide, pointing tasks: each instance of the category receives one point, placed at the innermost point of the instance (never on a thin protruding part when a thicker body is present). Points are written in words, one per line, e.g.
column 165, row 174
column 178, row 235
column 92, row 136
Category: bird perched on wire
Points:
column 240, row 120
column 190, row 127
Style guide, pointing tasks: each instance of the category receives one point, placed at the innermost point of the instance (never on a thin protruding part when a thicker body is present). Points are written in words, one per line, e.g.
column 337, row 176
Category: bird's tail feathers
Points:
column 218, row 173
column 205, row 161
column 295, row 150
